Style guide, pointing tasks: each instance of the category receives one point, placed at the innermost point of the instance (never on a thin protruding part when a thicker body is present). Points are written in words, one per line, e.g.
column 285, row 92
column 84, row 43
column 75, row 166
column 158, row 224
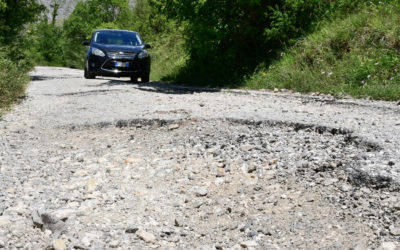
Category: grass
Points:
column 358, row 55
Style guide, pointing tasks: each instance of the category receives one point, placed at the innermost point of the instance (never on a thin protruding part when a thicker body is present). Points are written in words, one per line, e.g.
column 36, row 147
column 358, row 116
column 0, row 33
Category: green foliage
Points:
column 166, row 37
column 356, row 55
column 13, row 77
column 14, row 60
column 46, row 47
column 168, row 53
column 14, row 15
column 223, row 37
column 227, row 39
column 3, row 5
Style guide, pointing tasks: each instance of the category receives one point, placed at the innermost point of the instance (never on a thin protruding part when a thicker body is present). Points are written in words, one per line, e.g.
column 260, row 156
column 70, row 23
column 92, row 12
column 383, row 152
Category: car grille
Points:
column 120, row 53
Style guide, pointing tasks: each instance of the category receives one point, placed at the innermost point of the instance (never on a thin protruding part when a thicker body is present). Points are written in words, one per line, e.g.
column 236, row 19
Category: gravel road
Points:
column 106, row 164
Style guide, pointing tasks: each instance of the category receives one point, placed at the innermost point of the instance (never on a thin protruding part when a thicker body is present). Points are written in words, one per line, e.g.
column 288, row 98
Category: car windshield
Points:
column 117, row 37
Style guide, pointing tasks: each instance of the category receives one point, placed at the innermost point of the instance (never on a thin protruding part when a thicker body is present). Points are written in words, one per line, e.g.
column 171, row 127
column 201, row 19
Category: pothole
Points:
column 87, row 93
column 225, row 183
column 46, row 78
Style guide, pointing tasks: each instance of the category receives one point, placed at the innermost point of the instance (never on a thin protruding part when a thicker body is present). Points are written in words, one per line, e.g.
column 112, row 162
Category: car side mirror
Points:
column 147, row 46
column 86, row 43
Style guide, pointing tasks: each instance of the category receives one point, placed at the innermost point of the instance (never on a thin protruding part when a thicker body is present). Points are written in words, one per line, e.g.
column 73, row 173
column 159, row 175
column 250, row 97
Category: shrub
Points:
column 13, row 79
column 355, row 55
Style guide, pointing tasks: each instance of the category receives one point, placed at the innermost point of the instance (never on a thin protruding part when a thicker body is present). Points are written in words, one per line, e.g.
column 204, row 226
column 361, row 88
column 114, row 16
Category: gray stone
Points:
column 248, row 244
column 247, row 147
column 251, row 169
column 191, row 176
column 20, row 208
column 198, row 203
column 177, row 223
column 59, row 245
column 45, row 221
column 387, row 246
column 37, row 220
column 64, row 214
column 146, row 236
column 394, row 230
column 220, row 172
column 131, row 230
column 201, row 191
column 251, row 234
column 345, row 187
column 114, row 244
column 173, row 126
column 330, row 181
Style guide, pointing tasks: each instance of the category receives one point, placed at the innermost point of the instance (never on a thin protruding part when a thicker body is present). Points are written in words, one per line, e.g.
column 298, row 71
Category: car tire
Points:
column 145, row 78
column 89, row 75
column 134, row 79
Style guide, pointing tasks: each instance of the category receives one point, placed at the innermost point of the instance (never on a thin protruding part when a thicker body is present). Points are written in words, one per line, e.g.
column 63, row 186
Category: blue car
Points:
column 117, row 53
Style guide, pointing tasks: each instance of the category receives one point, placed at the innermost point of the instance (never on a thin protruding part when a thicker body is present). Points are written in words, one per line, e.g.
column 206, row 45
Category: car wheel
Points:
column 134, row 79
column 145, row 77
column 88, row 75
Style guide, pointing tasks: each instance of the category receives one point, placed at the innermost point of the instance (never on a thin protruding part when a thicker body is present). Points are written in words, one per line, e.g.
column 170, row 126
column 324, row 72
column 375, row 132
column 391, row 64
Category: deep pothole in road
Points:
column 284, row 170
column 218, row 182
column 301, row 147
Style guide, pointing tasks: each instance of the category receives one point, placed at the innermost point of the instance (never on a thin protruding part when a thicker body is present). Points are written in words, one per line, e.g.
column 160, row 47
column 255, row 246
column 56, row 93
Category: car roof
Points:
column 130, row 31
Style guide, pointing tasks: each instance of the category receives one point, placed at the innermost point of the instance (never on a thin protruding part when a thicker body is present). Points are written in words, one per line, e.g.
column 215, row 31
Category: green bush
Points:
column 227, row 39
column 13, row 79
column 356, row 55
column 166, row 37
column 46, row 47
column 14, row 59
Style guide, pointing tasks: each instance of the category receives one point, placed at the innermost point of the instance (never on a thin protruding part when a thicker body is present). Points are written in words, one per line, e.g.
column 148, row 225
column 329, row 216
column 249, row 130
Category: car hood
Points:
column 123, row 48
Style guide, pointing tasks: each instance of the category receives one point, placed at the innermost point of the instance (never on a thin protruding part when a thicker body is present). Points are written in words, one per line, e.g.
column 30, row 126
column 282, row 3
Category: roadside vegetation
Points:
column 340, row 47
column 15, row 62
column 13, row 79
column 356, row 54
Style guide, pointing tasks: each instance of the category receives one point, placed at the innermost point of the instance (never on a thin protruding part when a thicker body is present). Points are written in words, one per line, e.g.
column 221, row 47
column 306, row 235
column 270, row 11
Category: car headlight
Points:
column 143, row 54
column 98, row 52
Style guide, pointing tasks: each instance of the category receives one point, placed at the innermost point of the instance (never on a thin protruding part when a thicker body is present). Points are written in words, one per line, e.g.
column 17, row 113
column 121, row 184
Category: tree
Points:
column 14, row 15
column 55, row 6
column 44, row 38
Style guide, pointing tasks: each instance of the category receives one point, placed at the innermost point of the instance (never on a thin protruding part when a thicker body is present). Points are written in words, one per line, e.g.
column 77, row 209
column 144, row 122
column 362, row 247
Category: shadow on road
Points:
column 164, row 88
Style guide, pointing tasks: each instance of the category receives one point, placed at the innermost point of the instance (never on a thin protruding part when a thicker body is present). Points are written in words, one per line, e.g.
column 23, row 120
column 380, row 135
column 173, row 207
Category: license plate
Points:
column 121, row 64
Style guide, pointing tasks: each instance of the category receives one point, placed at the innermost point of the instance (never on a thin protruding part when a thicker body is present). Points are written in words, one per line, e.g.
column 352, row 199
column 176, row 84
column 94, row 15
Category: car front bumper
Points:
column 106, row 66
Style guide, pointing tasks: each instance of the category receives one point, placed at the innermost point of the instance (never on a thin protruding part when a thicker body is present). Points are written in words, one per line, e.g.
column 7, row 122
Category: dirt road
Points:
column 101, row 164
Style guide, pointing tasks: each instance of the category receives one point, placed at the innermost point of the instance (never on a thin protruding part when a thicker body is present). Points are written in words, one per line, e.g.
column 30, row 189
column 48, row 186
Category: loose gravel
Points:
column 105, row 164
